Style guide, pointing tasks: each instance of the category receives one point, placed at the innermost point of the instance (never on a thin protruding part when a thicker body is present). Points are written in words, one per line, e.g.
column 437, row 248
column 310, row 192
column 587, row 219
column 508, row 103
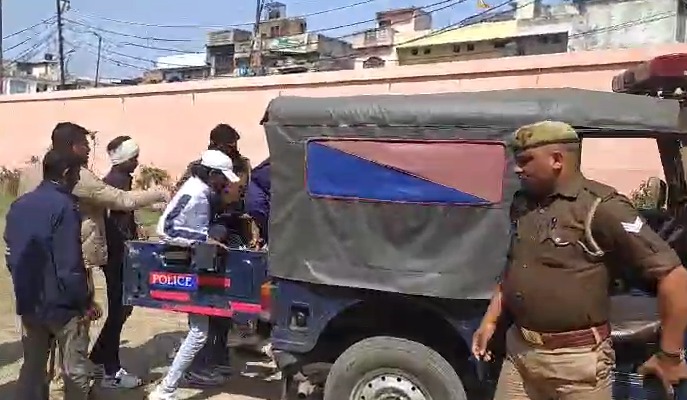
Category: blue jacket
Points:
column 258, row 197
column 43, row 236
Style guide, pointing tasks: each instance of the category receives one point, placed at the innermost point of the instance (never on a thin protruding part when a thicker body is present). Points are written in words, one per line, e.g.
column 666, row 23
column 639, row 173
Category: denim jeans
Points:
column 195, row 340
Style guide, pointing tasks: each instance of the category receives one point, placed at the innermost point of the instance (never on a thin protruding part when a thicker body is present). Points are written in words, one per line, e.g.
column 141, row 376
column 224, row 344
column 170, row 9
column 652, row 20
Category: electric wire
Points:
column 195, row 26
column 442, row 3
column 28, row 28
column 457, row 25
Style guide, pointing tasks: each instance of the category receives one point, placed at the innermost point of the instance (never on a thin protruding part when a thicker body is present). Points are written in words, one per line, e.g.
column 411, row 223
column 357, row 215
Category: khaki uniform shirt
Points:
column 551, row 283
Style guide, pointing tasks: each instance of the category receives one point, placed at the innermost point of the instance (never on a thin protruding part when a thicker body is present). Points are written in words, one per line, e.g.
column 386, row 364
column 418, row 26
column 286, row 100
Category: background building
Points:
column 31, row 77
column 376, row 47
column 285, row 45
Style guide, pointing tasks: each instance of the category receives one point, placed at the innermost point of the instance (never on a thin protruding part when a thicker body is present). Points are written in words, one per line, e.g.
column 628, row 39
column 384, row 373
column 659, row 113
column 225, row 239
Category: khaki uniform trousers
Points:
column 531, row 372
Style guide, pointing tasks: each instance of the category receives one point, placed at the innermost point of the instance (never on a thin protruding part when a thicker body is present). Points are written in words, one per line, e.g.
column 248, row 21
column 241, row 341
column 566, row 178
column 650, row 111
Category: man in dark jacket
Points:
column 120, row 226
column 223, row 138
column 258, row 198
column 43, row 236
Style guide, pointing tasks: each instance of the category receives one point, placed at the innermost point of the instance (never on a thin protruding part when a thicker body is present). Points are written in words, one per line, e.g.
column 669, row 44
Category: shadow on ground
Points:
column 10, row 352
column 150, row 361
column 7, row 390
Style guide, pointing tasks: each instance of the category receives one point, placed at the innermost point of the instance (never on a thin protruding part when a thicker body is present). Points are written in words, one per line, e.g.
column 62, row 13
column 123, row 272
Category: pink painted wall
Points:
column 172, row 121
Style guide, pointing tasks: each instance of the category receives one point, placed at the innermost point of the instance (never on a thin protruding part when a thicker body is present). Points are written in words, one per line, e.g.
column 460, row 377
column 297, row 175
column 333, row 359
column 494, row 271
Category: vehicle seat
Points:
column 634, row 320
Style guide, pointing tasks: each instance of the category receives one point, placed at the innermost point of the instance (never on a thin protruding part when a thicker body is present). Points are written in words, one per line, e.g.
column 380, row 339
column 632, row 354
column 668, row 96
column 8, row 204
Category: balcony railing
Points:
column 374, row 38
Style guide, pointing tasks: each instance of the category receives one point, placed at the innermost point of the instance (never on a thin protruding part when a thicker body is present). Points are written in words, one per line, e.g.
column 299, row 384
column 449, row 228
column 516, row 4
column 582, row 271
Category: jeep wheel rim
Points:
column 388, row 385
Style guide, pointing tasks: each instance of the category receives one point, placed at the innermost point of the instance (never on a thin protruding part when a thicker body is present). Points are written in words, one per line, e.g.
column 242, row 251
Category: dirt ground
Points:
column 149, row 336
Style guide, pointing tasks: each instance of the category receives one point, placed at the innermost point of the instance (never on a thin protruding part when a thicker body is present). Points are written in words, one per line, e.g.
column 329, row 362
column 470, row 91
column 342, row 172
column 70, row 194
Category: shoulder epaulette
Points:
column 599, row 189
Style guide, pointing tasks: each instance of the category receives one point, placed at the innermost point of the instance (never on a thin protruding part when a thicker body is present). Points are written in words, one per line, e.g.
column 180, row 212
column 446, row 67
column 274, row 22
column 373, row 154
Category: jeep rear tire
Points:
column 387, row 367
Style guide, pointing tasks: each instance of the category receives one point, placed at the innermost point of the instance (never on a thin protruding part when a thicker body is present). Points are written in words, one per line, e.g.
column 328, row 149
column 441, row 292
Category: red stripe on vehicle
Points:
column 203, row 310
column 246, row 308
column 173, row 296
column 215, row 281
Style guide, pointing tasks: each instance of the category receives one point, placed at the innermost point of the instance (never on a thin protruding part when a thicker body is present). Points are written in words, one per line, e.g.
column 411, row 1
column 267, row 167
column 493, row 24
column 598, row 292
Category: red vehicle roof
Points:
column 665, row 73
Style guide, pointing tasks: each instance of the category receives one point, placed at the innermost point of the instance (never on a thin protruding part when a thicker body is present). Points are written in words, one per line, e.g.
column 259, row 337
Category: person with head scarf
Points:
column 120, row 226
column 93, row 195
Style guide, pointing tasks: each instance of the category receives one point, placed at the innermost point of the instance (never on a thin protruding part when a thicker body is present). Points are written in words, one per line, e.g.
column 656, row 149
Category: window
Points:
column 557, row 38
column 16, row 86
column 274, row 31
column 303, row 27
column 385, row 23
column 414, row 51
column 471, row 47
column 374, row 62
column 427, row 51
column 543, row 39
column 500, row 44
column 386, row 171
column 456, row 48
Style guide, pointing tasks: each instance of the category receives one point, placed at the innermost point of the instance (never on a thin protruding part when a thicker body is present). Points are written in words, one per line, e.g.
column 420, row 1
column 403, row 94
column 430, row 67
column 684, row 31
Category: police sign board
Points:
column 170, row 280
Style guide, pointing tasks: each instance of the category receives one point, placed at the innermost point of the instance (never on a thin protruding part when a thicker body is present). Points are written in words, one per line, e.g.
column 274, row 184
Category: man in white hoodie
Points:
column 186, row 222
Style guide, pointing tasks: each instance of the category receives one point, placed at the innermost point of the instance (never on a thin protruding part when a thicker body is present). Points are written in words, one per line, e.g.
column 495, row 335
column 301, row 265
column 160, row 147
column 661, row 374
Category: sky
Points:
column 129, row 28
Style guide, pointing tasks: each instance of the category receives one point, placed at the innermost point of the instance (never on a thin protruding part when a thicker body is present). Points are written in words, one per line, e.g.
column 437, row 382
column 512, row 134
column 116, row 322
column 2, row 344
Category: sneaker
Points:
column 121, row 380
column 160, row 394
column 203, row 379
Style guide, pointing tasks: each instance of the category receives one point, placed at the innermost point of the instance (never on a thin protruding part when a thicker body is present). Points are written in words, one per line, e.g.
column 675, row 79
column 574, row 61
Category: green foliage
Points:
column 643, row 197
column 150, row 176
column 9, row 181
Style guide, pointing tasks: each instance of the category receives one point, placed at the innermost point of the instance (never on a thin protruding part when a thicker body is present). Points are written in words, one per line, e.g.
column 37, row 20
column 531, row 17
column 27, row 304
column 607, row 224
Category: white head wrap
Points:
column 125, row 152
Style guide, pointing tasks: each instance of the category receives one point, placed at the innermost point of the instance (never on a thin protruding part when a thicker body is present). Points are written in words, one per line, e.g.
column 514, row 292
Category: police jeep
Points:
column 205, row 280
column 390, row 226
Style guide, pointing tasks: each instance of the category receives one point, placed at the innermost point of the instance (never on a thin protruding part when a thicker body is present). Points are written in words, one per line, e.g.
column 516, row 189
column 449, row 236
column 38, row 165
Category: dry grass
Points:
column 149, row 336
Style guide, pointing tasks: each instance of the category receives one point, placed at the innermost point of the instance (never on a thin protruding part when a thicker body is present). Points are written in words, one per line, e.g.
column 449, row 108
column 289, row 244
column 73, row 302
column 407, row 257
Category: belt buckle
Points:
column 532, row 337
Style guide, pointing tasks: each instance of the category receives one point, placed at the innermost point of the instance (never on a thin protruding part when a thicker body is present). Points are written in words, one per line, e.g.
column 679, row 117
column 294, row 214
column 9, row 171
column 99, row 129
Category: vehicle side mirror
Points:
column 651, row 195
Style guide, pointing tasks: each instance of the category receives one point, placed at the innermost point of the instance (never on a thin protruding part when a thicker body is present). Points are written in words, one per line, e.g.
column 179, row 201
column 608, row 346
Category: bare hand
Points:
column 256, row 241
column 669, row 372
column 480, row 341
column 94, row 313
column 164, row 194
column 217, row 243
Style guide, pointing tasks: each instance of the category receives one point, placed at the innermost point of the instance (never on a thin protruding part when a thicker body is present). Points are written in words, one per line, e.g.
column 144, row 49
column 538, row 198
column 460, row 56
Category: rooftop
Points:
column 470, row 33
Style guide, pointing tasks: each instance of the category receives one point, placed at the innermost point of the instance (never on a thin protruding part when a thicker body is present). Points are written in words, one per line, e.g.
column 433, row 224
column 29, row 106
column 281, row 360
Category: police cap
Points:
column 543, row 133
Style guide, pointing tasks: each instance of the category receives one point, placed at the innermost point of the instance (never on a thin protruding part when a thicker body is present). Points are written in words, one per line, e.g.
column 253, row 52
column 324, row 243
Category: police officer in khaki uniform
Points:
column 567, row 231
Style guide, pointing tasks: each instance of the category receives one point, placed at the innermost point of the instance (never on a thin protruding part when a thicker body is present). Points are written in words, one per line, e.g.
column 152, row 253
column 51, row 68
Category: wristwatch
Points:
column 670, row 356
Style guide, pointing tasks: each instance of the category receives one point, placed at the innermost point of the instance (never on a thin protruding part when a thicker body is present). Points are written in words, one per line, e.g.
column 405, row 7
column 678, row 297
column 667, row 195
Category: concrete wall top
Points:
column 466, row 69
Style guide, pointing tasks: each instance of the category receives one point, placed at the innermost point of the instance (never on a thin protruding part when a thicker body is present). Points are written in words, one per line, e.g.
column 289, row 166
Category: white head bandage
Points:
column 125, row 152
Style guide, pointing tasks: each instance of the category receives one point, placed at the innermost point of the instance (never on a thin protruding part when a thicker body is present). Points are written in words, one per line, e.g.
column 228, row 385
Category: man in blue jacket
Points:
column 258, row 198
column 43, row 236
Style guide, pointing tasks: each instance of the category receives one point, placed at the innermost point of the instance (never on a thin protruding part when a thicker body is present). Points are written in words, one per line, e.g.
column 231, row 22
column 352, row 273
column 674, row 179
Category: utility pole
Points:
column 2, row 59
column 60, row 43
column 256, row 54
column 97, row 63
